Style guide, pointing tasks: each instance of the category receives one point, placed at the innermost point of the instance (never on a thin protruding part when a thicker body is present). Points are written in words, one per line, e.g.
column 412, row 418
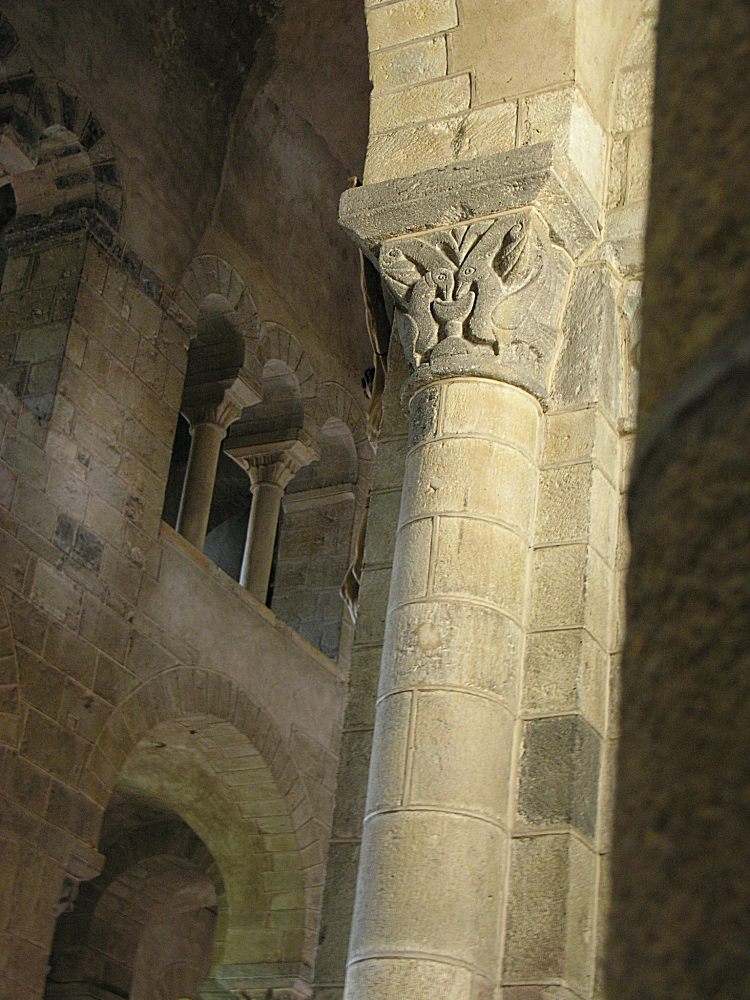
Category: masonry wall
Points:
column 458, row 80
column 98, row 602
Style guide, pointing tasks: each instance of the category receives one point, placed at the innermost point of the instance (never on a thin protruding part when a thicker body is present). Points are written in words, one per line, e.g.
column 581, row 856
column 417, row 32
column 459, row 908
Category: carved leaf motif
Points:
column 513, row 245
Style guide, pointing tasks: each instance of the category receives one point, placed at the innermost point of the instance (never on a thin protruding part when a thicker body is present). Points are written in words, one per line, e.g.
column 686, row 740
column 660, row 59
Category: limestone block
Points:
column 382, row 522
column 411, row 561
column 634, row 99
column 581, row 434
column 104, row 629
column 563, row 117
column 389, row 752
column 464, row 544
column 588, row 367
column 602, row 926
column 550, row 932
column 564, row 504
column 143, row 314
column 41, row 686
column 618, row 171
column 363, row 685
column 420, row 103
column 566, row 671
column 453, row 644
column 388, row 472
column 558, row 586
column 419, row 912
column 605, row 516
column 559, row 773
column 341, row 878
column 404, row 151
column 426, row 60
column 7, row 485
column 610, row 749
column 587, row 145
column 508, row 414
column 17, row 272
column 451, row 772
column 500, row 487
column 352, row 792
column 151, row 366
column 572, row 585
column 32, row 508
column 51, row 747
column 639, row 165
column 418, row 979
column 27, row 459
column 409, row 19
column 41, row 343
column 51, row 591
column 501, row 41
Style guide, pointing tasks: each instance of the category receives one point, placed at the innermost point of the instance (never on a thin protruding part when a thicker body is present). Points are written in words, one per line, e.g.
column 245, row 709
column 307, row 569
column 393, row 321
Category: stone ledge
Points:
column 532, row 176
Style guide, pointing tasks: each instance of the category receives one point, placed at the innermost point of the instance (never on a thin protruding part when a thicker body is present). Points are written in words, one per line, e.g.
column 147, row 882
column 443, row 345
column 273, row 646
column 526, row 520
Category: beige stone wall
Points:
column 458, row 79
column 111, row 623
column 313, row 557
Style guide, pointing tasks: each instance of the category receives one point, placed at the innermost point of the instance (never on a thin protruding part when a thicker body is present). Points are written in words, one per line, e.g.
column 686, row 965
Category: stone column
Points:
column 270, row 466
column 431, row 898
column 208, row 428
column 443, row 745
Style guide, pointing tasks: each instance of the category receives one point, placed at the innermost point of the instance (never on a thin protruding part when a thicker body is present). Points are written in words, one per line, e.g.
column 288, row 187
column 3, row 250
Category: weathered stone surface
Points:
column 551, row 914
column 463, row 191
column 396, row 23
column 589, row 365
column 424, row 60
column 417, row 911
column 559, row 779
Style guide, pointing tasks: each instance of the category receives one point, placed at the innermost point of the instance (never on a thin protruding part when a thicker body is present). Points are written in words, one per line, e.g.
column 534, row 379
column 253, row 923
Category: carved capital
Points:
column 222, row 413
column 477, row 257
column 275, row 461
column 482, row 298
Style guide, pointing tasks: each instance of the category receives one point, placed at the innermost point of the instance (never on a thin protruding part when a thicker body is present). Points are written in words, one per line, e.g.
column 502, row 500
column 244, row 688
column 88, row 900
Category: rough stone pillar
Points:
column 208, row 428
column 681, row 849
column 270, row 465
column 431, row 892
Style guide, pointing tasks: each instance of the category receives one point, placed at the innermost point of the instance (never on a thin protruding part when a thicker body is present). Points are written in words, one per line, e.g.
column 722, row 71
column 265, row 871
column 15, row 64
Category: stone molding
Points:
column 324, row 496
column 460, row 193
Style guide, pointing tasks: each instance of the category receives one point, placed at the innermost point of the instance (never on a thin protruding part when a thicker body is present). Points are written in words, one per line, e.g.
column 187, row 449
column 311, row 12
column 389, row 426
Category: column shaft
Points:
column 431, row 883
column 198, row 488
column 261, row 538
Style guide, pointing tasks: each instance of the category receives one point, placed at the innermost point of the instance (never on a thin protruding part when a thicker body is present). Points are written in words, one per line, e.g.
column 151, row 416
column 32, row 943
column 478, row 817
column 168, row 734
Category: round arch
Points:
column 278, row 344
column 37, row 109
column 185, row 707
